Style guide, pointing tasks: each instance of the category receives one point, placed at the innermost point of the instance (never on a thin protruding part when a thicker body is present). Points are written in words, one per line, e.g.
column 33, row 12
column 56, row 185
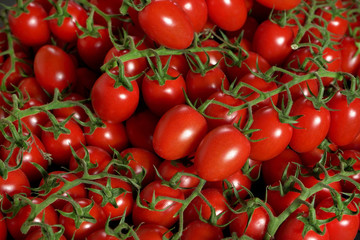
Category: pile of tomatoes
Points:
column 180, row 119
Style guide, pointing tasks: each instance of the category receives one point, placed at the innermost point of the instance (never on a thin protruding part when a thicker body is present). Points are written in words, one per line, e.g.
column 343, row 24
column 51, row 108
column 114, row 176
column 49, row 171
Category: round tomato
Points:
column 149, row 231
column 3, row 229
column 201, row 231
column 280, row 4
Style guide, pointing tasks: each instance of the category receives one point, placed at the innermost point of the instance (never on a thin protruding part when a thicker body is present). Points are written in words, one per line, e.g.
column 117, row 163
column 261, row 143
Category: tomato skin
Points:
column 346, row 228
column 77, row 111
column 54, row 68
column 228, row 15
column 86, row 228
column 113, row 135
column 30, row 86
column 345, row 121
column 312, row 126
column 3, row 230
column 280, row 4
column 100, row 235
column 179, row 132
column 222, row 152
column 60, row 148
column 167, row 24
column 197, row 12
column 114, row 104
column 201, row 231
column 164, row 218
column 33, row 121
column 16, row 183
column 37, row 29
column 148, row 231
column 37, row 234
column 68, row 30
column 48, row 214
column 277, row 135
column 350, row 62
column 108, row 7
column 161, row 97
column 124, row 201
column 273, row 42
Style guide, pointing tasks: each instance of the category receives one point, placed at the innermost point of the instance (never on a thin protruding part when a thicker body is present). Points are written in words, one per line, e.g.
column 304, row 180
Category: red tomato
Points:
column 345, row 228
column 228, row 15
column 123, row 198
column 311, row 127
column 272, row 136
column 164, row 210
column 149, row 231
column 3, row 229
column 167, row 24
column 273, row 42
column 33, row 154
column 34, row 121
column 77, row 111
column 114, row 104
column 211, row 58
column 15, row 183
column 350, row 60
column 201, row 86
column 48, row 216
column 280, row 4
column 86, row 227
column 60, row 148
column 215, row 199
column 179, row 132
column 113, row 135
column 201, row 231
column 140, row 128
column 77, row 191
column 68, row 30
column 110, row 8
column 178, row 62
column 162, row 94
column 38, row 234
column 31, row 86
column 222, row 152
column 54, row 68
column 101, row 235
column 255, row 227
column 37, row 30
column 345, row 121
column 197, row 12
column 85, row 81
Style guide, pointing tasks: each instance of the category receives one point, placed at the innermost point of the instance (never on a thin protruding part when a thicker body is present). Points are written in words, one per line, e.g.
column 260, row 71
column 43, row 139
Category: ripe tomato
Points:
column 101, row 235
column 77, row 111
column 54, row 68
column 201, row 231
column 38, row 234
column 3, row 229
column 197, row 12
column 150, row 231
column 228, row 15
column 86, row 227
column 210, row 57
column 165, row 210
column 37, row 28
column 179, row 132
column 280, row 4
column 167, row 24
column 110, row 8
column 222, row 152
column 68, row 30
column 31, row 86
column 34, row 121
column 350, row 60
column 273, row 135
column 113, row 104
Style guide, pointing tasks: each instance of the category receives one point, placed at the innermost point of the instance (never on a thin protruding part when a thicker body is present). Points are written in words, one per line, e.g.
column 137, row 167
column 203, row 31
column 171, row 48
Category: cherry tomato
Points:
column 148, row 231
column 38, row 234
column 101, row 235
column 31, row 86
column 34, row 121
column 201, row 231
column 110, row 8
column 197, row 12
column 280, row 4
column 3, row 229
column 350, row 60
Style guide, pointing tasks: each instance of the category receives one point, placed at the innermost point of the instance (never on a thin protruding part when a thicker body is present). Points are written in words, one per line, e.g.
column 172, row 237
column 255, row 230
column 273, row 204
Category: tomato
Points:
column 3, row 230
column 228, row 15
column 201, row 86
column 60, row 148
column 280, row 4
column 255, row 227
column 165, row 211
column 179, row 132
column 33, row 20
column 48, row 216
column 345, row 123
column 217, row 115
column 167, row 170
column 100, row 235
column 273, row 169
column 273, row 42
column 216, row 200
column 38, row 234
column 15, row 183
column 167, row 24
column 345, row 228
column 85, row 81
column 86, row 227
column 197, row 12
column 178, row 62
column 292, row 228
column 77, row 111
column 113, row 135
column 139, row 159
column 33, row 154
column 299, row 59
column 54, row 68
column 140, row 128
column 93, row 50
column 350, row 60
column 123, row 200
column 222, row 152
column 272, row 136
column 211, row 58
column 311, row 127
column 113, row 104
column 149, row 231
column 77, row 191
column 110, row 8
column 68, row 30
column 33, row 121
column 201, row 231
column 30, row 86
column 162, row 94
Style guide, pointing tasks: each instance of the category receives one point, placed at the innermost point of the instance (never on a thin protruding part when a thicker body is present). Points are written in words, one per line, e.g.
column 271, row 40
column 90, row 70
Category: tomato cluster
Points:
column 180, row 119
